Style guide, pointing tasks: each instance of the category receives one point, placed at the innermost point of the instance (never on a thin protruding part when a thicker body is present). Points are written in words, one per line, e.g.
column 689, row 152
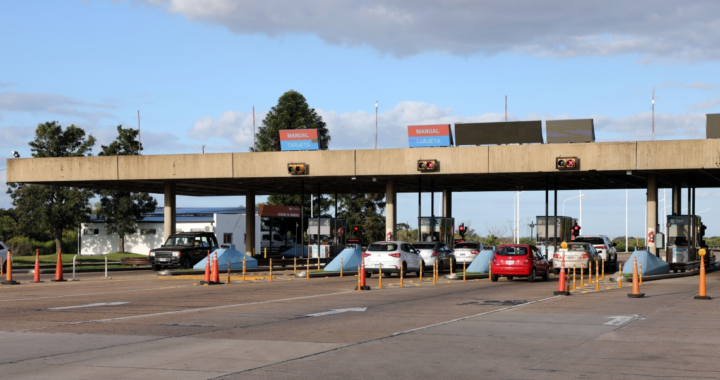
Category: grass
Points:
column 68, row 258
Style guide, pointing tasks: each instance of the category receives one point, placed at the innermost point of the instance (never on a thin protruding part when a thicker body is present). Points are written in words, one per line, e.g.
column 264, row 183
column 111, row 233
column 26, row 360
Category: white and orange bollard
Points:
column 702, row 293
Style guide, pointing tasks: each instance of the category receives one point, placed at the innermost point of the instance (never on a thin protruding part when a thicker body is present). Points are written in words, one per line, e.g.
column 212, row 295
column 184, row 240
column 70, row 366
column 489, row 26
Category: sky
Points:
column 195, row 70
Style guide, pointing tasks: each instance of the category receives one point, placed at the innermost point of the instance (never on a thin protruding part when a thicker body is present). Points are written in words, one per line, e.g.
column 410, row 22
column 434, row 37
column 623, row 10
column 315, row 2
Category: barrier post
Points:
column 295, row 265
column 401, row 276
column 73, row 277
column 590, row 278
column 307, row 267
column 562, row 288
column 567, row 281
column 271, row 270
column 574, row 287
column 106, row 269
column 597, row 276
column 603, row 269
column 265, row 256
column 422, row 269
column 36, row 277
column 702, row 292
column 341, row 267
column 620, row 277
column 582, row 277
column 490, row 269
column 451, row 265
column 464, row 271
column 359, row 286
column 228, row 274
column 640, row 271
column 244, row 256
column 435, row 272
column 58, row 268
column 635, row 283
column 8, row 276
column 318, row 262
column 380, row 277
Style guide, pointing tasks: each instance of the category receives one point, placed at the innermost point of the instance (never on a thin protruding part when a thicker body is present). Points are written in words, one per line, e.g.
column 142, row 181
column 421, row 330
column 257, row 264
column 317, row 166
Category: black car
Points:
column 183, row 250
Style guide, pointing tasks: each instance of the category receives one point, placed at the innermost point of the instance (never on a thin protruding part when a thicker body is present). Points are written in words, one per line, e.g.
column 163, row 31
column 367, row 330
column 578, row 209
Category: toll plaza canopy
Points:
column 610, row 165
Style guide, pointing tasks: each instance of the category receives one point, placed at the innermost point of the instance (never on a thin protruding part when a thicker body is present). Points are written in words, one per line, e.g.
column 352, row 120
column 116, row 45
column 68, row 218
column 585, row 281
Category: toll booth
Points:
column 332, row 231
column 680, row 247
column 560, row 230
column 443, row 230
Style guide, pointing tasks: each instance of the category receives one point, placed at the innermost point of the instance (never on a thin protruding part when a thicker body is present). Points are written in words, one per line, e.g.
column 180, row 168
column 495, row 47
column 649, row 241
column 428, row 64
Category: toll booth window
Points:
column 512, row 251
column 382, row 247
column 227, row 238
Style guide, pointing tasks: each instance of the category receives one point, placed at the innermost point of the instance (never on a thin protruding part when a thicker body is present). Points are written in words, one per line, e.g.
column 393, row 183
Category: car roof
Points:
column 515, row 245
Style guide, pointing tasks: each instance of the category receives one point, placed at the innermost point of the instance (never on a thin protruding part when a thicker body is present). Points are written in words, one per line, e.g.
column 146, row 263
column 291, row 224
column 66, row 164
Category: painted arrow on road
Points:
column 622, row 319
column 89, row 305
column 337, row 311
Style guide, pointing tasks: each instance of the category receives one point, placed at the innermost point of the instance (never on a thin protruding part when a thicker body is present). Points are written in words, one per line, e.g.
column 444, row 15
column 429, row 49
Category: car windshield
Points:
column 577, row 247
column 512, row 251
column 424, row 245
column 382, row 247
column 185, row 241
column 591, row 240
column 466, row 245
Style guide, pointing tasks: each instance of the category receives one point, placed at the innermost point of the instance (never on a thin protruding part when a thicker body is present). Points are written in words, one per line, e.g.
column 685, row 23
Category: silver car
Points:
column 467, row 251
column 434, row 251
column 391, row 256
column 605, row 248
column 577, row 255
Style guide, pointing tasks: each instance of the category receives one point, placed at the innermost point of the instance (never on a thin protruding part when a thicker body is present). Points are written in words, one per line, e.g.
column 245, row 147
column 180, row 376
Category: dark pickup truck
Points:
column 183, row 250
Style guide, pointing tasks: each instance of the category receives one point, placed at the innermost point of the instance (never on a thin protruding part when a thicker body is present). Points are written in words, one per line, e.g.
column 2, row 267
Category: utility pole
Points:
column 254, row 142
column 376, row 123
column 653, row 114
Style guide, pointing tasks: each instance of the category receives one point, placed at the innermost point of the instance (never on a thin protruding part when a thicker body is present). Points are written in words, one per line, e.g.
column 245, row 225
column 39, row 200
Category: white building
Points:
column 228, row 224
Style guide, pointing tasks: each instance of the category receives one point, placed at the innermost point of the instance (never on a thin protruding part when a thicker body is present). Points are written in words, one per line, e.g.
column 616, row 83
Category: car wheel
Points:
column 439, row 266
column 186, row 263
column 509, row 278
column 556, row 271
column 546, row 275
column 531, row 277
column 404, row 270
column 368, row 274
column 157, row 267
column 421, row 269
column 493, row 277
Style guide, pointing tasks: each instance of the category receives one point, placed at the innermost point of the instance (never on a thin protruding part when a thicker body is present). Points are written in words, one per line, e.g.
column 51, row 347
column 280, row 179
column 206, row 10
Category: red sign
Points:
column 298, row 134
column 279, row 211
column 429, row 130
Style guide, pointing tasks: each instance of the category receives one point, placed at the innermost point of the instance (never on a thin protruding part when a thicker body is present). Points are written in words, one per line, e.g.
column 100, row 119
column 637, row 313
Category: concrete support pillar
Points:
column 249, row 222
column 652, row 212
column 390, row 209
column 676, row 200
column 170, row 210
column 447, row 203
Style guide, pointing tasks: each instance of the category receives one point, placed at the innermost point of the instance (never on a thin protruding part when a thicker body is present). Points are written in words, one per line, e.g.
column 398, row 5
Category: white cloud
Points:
column 698, row 85
column 232, row 131
column 705, row 105
column 685, row 30
column 52, row 103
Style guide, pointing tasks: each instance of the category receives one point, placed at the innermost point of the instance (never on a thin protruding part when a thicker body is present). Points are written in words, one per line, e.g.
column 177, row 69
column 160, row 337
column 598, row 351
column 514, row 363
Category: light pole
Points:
column 376, row 123
column 531, row 225
column 577, row 196
column 516, row 216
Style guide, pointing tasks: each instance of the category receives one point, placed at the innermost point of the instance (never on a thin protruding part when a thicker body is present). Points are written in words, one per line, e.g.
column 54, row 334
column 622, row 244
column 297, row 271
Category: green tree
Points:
column 291, row 112
column 53, row 208
column 366, row 212
column 120, row 209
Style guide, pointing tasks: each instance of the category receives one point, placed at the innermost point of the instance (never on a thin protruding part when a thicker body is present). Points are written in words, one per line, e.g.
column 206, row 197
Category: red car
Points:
column 519, row 260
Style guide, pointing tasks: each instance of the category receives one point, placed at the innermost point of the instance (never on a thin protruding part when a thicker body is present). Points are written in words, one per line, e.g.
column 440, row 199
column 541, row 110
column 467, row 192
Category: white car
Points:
column 604, row 247
column 3, row 256
column 433, row 251
column 392, row 256
column 467, row 251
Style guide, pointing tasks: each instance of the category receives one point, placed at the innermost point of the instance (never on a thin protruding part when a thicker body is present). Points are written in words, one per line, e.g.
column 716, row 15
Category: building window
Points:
column 149, row 231
column 227, row 239
column 91, row 231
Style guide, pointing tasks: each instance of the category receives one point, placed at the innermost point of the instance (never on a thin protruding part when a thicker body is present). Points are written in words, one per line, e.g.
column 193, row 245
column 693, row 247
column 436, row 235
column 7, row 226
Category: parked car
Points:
column 183, row 250
column 393, row 255
column 519, row 260
column 277, row 240
column 577, row 255
column 432, row 252
column 3, row 256
column 605, row 248
column 467, row 251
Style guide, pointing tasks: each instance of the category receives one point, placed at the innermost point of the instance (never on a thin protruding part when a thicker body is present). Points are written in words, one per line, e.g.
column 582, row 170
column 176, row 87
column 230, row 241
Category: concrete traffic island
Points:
column 478, row 268
column 345, row 263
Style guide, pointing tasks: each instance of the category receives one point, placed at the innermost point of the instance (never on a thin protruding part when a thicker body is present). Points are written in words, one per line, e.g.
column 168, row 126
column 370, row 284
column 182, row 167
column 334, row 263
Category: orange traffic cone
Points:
column 59, row 269
column 37, row 267
column 636, row 284
column 8, row 275
column 562, row 290
column 216, row 270
column 702, row 294
column 207, row 270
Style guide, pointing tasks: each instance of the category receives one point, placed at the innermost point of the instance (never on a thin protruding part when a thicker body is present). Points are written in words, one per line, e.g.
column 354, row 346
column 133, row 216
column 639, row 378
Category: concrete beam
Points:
column 170, row 210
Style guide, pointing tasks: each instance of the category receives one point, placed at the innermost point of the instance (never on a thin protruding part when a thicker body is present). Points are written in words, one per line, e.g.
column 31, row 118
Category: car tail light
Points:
column 527, row 260
column 601, row 246
column 366, row 255
column 475, row 252
column 494, row 261
column 434, row 254
column 556, row 256
column 584, row 256
column 395, row 255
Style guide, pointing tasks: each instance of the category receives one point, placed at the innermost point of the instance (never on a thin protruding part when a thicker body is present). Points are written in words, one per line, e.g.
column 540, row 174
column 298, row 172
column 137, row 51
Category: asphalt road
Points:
column 137, row 326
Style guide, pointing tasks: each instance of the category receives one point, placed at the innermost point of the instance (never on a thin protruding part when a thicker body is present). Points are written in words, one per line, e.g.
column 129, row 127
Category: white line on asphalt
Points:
column 337, row 311
column 90, row 294
column 473, row 316
column 622, row 319
column 89, row 305
column 208, row 308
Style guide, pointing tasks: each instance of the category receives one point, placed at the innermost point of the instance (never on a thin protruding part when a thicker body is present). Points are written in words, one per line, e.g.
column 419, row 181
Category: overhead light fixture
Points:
column 353, row 178
column 374, row 179
column 629, row 172
column 15, row 154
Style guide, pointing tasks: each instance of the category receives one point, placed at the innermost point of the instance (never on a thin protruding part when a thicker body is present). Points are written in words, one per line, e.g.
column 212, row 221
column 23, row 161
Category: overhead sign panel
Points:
column 279, row 211
column 570, row 131
column 713, row 126
column 299, row 139
column 507, row 132
column 429, row 135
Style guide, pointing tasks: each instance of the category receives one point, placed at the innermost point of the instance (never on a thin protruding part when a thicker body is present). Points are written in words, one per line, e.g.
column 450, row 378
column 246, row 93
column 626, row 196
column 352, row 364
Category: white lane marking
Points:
column 337, row 311
column 622, row 319
column 91, row 294
column 473, row 316
column 208, row 308
column 89, row 305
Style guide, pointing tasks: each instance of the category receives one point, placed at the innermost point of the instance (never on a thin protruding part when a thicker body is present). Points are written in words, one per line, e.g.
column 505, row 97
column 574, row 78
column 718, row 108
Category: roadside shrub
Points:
column 20, row 246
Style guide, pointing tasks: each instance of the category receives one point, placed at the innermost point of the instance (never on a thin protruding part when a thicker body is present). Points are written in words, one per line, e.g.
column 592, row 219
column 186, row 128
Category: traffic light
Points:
column 462, row 230
column 356, row 231
column 427, row 165
column 575, row 231
column 296, row 169
column 567, row 163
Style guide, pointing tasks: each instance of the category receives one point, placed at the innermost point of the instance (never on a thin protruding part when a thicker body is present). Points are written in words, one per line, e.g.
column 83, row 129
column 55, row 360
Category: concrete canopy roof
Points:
column 473, row 168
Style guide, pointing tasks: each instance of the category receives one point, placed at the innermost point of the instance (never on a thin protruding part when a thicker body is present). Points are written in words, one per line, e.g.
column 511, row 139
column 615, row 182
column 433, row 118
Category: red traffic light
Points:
column 356, row 229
